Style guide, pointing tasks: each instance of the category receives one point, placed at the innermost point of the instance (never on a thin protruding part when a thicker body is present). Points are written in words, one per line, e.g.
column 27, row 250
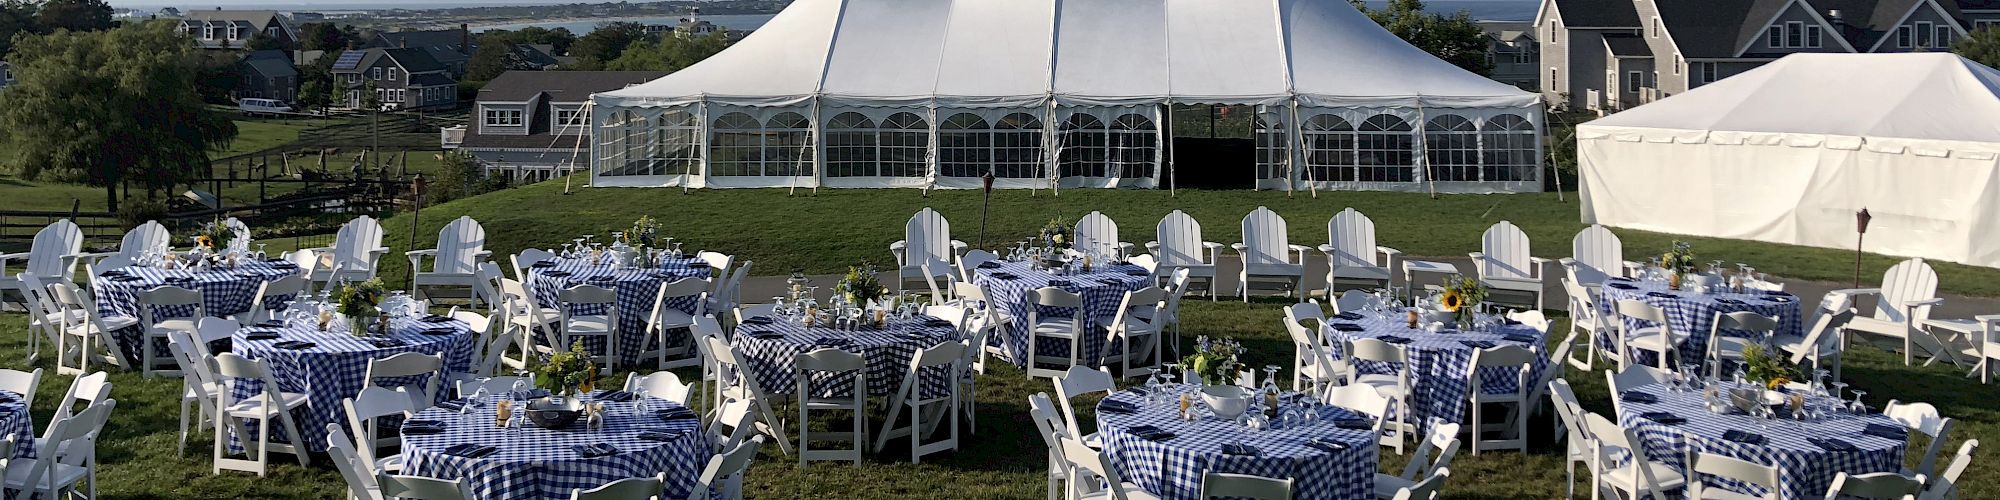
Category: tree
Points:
column 670, row 53
column 312, row 94
column 325, row 36
column 16, row 16
column 1983, row 46
column 263, row 41
column 604, row 45
column 217, row 75
column 74, row 15
column 491, row 59
column 110, row 107
column 560, row 38
column 1455, row 39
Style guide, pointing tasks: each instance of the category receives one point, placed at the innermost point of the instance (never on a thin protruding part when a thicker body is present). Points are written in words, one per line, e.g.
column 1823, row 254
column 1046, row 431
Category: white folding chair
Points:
column 1226, row 485
column 1267, row 252
column 1365, row 401
column 1080, row 381
column 1875, row 485
column 1730, row 347
column 1178, row 245
column 268, row 298
column 1085, row 461
column 1353, row 301
column 837, row 364
column 1639, row 476
column 664, row 319
column 662, row 385
column 722, row 477
column 490, row 344
column 968, row 382
column 360, row 480
column 461, row 247
column 22, row 383
column 1069, row 330
column 1629, row 378
column 420, row 488
column 1505, row 265
column 1586, row 322
column 200, row 390
column 1945, row 485
column 576, row 325
column 745, row 387
column 1506, row 357
column 156, row 325
column 1395, row 387
column 525, row 317
column 631, row 488
column 51, row 474
column 270, row 407
column 1052, row 430
column 1424, row 490
column 970, row 262
column 46, row 318
column 912, row 397
column 528, row 257
column 89, row 331
column 362, row 411
column 718, row 263
column 1576, row 436
column 1136, row 328
column 1660, row 337
column 423, row 392
column 1351, row 253
column 1822, row 343
column 1921, row 418
column 1703, row 465
column 731, row 292
column 1443, row 440
column 1312, row 366
column 734, row 423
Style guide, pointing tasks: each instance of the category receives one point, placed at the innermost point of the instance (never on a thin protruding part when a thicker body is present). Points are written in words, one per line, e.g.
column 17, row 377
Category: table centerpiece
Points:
column 1214, row 362
column 360, row 304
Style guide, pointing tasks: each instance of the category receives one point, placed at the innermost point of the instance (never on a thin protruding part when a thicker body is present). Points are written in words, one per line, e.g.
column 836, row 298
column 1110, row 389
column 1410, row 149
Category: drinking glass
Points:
column 1153, row 389
column 1860, row 408
column 260, row 252
column 1838, row 389
column 639, row 399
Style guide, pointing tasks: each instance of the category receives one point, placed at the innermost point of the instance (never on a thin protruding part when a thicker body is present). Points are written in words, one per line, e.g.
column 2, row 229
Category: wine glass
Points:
column 1860, row 408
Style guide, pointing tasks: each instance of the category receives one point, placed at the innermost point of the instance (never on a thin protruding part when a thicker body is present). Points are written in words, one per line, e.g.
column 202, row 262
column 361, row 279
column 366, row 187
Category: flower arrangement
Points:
column 213, row 235
column 1055, row 233
column 359, row 301
column 643, row 231
column 1214, row 361
column 1462, row 295
column 860, row 286
column 566, row 371
column 1763, row 365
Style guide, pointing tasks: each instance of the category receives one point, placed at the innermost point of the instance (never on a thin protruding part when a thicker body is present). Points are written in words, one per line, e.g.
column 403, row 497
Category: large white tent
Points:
column 1788, row 152
column 937, row 93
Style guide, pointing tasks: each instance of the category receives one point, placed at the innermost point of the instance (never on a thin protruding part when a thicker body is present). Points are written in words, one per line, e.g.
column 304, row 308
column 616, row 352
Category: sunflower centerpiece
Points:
column 1678, row 262
column 1462, row 295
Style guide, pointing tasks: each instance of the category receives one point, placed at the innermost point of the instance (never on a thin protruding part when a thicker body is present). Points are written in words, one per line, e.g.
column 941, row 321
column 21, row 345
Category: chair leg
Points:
column 182, row 450
column 298, row 440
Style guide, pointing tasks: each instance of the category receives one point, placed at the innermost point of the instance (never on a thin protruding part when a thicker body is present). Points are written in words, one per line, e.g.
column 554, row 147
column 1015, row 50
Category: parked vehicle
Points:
column 255, row 106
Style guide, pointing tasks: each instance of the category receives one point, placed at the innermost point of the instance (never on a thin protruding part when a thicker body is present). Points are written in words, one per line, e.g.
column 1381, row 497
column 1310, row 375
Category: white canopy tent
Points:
column 936, row 93
column 1788, row 152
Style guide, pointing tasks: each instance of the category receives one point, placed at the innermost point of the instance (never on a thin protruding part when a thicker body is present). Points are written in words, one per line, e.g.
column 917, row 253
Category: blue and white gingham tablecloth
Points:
column 15, row 420
column 337, row 367
column 1693, row 314
column 1102, row 290
column 223, row 292
column 888, row 352
column 1173, row 468
column 537, row 463
column 636, row 288
column 1805, row 470
column 1439, row 363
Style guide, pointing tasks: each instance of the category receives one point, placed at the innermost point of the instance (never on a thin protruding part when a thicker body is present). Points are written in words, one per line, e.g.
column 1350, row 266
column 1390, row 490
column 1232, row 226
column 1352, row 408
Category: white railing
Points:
column 451, row 137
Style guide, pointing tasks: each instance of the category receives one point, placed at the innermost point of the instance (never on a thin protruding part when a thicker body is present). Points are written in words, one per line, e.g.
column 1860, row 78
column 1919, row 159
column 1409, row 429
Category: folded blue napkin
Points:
column 832, row 341
column 1661, row 295
column 757, row 320
column 1621, row 286
column 1745, row 437
column 677, row 413
column 594, row 450
column 294, row 345
column 556, row 274
column 1663, row 417
column 1138, row 273
column 412, row 429
column 989, row 265
column 1346, row 327
column 1729, row 301
column 385, row 342
column 1059, row 283
column 453, row 405
column 1354, row 424
column 1887, row 432
column 270, row 324
column 439, row 331
column 1150, row 433
column 1350, row 316
column 1006, row 276
column 1522, row 338
column 470, row 450
column 260, row 336
column 765, row 335
column 1638, row 397
column 659, row 434
column 1478, row 344
column 1779, row 299
column 1394, row 339
column 1240, row 449
column 435, row 319
column 1832, row 444
column 535, row 393
column 1326, row 446
column 936, row 323
column 615, row 396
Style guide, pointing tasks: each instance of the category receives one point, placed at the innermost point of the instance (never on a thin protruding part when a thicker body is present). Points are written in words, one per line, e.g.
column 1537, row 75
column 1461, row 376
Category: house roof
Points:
column 432, row 80
column 1627, row 45
column 1964, row 5
column 412, row 60
column 1598, row 13
column 450, row 38
column 270, row 63
column 1715, row 28
column 259, row 19
column 561, row 86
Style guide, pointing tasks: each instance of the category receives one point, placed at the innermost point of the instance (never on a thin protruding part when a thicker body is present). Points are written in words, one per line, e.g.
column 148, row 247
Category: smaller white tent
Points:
column 1787, row 153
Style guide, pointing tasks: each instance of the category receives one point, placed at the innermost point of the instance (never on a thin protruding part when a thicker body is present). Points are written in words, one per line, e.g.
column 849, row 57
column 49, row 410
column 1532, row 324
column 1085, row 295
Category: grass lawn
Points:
column 1004, row 460
column 840, row 227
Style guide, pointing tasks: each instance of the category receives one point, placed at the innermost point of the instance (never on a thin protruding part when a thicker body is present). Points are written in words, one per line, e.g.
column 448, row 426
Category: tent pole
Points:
column 1423, row 167
column 1541, row 158
column 1298, row 148
column 818, row 170
column 1173, row 188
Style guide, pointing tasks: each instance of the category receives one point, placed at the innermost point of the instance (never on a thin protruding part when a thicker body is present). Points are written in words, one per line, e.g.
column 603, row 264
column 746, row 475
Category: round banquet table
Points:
column 1805, row 468
column 770, row 349
column 16, row 421
column 1011, row 285
column 1693, row 314
column 1439, row 361
column 636, row 288
column 1172, row 468
column 223, row 292
column 335, row 367
column 536, row 463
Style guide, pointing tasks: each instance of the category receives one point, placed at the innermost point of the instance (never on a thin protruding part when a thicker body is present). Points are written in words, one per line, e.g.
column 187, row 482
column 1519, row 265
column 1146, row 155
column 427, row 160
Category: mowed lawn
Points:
column 1004, row 460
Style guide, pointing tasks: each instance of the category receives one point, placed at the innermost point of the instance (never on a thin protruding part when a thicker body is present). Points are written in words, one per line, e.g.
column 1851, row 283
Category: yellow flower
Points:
column 204, row 241
column 1453, row 300
column 1775, row 383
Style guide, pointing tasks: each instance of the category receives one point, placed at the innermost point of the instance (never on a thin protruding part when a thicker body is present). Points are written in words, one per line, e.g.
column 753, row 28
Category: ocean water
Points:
column 1485, row 10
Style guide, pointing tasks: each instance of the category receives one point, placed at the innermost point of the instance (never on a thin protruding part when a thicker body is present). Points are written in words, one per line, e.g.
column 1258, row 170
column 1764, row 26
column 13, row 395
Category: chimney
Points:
column 1835, row 17
column 404, row 43
column 464, row 39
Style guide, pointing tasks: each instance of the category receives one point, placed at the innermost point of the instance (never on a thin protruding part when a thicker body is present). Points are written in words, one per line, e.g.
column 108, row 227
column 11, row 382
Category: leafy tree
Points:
column 16, row 16
column 1455, row 39
column 263, row 41
column 312, row 94
column 491, row 59
column 74, row 15
column 604, row 45
column 559, row 38
column 1983, row 46
column 326, row 36
column 109, row 107
column 217, row 74
column 670, row 53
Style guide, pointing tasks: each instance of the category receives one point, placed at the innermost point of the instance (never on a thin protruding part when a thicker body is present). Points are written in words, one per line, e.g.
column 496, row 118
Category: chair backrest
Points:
column 1910, row 281
column 1505, row 356
column 1376, row 350
column 1179, row 236
column 411, row 364
column 1634, row 376
column 486, row 282
column 1568, row 411
column 150, row 301
column 419, row 488
column 1226, row 485
column 148, row 237
column 1296, row 316
column 631, row 488
column 193, row 357
column 927, row 239
column 370, row 404
column 1732, row 468
column 1145, row 304
column 242, row 232
column 1079, row 381
column 733, row 424
column 359, row 475
column 1875, row 485
column 1426, row 489
column 1608, row 433
column 661, row 384
column 1051, row 425
column 1596, row 254
column 1265, row 238
column 45, row 255
column 269, row 292
column 528, row 257
column 23, row 383
column 1824, row 333
column 1352, row 236
column 1944, row 484
column 575, row 297
column 1506, row 249
column 1640, row 310
column 355, row 241
column 1442, row 440
column 1096, row 232
column 211, row 329
column 458, row 247
column 1360, row 398
column 827, row 359
column 684, row 287
column 1352, row 301
column 728, row 465
column 90, row 389
column 1924, row 418
column 1087, row 459
column 720, row 263
column 971, row 260
column 74, row 433
column 1049, row 296
column 1583, row 305
column 1746, row 321
column 731, row 290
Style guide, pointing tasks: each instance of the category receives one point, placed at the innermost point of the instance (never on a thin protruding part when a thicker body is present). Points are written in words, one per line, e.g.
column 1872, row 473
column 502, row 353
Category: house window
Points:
column 1980, row 24
column 1924, row 34
column 1656, row 27
column 1813, row 34
column 1555, row 32
column 1634, row 80
column 503, row 118
column 1707, row 72
column 1677, row 64
column 568, row 120
column 1943, row 37
column 233, row 34
column 392, row 74
column 1794, row 34
column 1523, row 57
column 1774, row 37
column 1552, row 78
column 375, row 73
column 1903, row 36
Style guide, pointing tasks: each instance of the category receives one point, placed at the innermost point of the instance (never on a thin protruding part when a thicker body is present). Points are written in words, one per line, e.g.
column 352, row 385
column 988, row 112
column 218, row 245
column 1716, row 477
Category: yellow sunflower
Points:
column 1453, row 300
column 204, row 241
column 1775, row 383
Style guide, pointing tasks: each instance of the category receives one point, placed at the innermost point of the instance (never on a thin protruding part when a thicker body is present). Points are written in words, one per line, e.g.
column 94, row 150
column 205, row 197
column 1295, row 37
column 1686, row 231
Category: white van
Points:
column 254, row 106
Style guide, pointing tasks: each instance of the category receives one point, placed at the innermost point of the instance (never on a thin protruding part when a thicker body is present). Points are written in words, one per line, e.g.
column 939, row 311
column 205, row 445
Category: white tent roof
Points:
column 1018, row 53
column 1838, row 98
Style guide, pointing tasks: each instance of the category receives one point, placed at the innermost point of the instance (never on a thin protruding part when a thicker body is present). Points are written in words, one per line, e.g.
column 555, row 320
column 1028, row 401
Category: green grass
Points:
column 1003, row 461
column 836, row 228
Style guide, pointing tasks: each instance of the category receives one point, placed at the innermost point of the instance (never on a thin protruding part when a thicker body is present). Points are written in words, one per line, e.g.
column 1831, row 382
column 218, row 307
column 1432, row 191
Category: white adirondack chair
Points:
column 1095, row 231
column 1351, row 251
column 355, row 251
column 1267, row 254
column 1506, row 266
column 1595, row 254
column 926, row 240
column 150, row 236
column 1902, row 303
column 242, row 241
column 50, row 257
column 1179, row 246
column 455, row 261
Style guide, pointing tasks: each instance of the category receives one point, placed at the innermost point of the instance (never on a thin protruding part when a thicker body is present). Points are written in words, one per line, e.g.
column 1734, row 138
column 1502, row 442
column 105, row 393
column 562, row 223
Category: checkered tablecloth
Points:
column 1693, row 314
column 223, row 292
column 537, row 463
column 888, row 352
column 636, row 288
column 1172, row 469
column 1805, row 470
column 337, row 368
column 15, row 420
column 1102, row 290
column 1439, row 363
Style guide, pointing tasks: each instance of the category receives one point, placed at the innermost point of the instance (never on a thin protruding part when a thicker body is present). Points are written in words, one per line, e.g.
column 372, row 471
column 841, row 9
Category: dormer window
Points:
column 1795, row 34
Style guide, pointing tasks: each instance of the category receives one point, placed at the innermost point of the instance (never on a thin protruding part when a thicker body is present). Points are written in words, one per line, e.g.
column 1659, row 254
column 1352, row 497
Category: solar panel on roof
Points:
column 349, row 60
